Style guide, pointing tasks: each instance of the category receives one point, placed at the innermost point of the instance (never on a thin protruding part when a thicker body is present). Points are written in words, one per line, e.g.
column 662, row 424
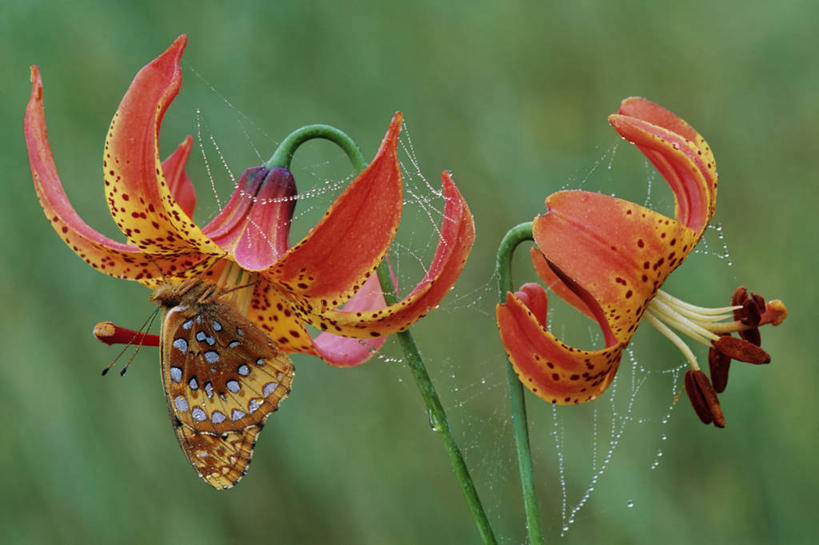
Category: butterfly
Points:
column 222, row 377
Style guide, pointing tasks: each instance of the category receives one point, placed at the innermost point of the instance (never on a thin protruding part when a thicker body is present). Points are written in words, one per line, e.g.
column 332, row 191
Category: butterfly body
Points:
column 222, row 377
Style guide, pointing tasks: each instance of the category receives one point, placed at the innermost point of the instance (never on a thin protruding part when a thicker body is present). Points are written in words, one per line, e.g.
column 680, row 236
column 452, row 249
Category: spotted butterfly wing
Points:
column 222, row 377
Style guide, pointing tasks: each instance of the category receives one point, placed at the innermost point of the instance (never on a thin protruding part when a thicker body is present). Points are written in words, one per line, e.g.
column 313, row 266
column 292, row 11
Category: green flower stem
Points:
column 282, row 158
column 438, row 418
column 284, row 153
column 515, row 236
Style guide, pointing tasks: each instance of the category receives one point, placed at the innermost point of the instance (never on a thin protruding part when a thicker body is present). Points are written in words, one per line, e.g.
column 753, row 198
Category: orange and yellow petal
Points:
column 682, row 156
column 138, row 194
column 271, row 310
column 553, row 371
column 457, row 235
column 100, row 252
column 338, row 255
column 614, row 252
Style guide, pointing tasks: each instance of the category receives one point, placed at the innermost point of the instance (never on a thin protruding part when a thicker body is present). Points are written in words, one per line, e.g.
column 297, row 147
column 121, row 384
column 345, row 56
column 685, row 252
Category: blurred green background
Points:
column 513, row 97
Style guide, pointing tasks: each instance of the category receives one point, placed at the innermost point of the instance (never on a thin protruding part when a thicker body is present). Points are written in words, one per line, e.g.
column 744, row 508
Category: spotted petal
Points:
column 138, row 193
column 618, row 251
column 607, row 257
column 104, row 254
column 681, row 155
column 332, row 262
column 457, row 235
column 271, row 310
column 552, row 370
column 347, row 351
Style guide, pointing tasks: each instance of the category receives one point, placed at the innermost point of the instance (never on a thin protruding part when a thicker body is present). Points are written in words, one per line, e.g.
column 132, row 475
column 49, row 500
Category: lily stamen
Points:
column 694, row 310
column 698, row 331
column 674, row 338
column 703, row 325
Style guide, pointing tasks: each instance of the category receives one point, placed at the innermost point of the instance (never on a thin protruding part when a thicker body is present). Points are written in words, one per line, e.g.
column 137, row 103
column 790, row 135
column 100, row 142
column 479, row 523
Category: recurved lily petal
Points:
column 607, row 257
column 139, row 197
column 346, row 351
column 457, row 235
column 178, row 181
column 332, row 262
column 617, row 251
column 681, row 155
column 552, row 370
column 102, row 253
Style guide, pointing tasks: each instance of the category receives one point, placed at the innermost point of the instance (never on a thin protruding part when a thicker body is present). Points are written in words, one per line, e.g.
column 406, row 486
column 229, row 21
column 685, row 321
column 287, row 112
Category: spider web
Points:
column 576, row 447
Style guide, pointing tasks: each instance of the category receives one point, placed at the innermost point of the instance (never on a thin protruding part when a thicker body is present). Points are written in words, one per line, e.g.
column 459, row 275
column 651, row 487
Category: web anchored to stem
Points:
column 412, row 356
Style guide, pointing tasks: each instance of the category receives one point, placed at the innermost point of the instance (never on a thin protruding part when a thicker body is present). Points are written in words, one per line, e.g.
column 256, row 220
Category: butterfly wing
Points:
column 220, row 459
column 223, row 377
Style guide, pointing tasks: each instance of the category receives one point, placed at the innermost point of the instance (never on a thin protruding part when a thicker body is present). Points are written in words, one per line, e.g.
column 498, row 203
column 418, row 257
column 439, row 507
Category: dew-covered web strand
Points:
column 419, row 195
column 620, row 409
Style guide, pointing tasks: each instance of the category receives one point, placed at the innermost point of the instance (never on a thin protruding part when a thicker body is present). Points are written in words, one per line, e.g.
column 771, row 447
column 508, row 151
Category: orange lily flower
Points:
column 608, row 257
column 325, row 281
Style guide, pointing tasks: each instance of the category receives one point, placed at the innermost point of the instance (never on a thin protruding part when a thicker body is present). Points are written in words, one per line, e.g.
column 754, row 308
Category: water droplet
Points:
column 663, row 437
column 629, row 503
column 433, row 421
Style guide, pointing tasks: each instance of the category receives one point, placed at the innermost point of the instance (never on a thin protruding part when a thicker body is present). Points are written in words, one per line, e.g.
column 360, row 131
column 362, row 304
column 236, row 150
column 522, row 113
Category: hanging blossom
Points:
column 608, row 257
column 326, row 280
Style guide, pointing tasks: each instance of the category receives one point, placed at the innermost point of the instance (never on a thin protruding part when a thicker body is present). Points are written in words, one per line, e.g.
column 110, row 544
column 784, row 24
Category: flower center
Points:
column 237, row 285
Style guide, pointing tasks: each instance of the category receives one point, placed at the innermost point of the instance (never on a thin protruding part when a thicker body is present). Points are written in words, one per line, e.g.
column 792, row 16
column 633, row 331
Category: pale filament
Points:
column 237, row 284
column 699, row 323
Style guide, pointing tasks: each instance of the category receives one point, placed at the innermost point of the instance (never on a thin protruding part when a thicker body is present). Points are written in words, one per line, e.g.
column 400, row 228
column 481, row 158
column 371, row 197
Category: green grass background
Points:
column 513, row 97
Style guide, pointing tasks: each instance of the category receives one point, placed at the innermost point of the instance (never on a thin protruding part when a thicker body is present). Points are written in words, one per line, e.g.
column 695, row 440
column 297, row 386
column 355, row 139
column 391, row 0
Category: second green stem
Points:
column 515, row 236
column 282, row 158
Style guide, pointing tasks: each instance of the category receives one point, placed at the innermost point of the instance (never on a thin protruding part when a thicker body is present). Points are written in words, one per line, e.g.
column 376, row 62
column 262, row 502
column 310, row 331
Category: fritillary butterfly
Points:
column 222, row 377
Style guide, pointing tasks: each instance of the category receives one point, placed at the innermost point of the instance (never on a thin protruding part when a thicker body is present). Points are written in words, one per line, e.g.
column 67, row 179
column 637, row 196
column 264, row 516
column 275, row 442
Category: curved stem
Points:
column 515, row 236
column 282, row 158
column 284, row 153
column 438, row 415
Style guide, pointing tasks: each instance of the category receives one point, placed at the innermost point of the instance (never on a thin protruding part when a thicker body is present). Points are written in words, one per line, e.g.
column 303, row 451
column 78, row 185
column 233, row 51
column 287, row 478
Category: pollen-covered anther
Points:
column 719, row 364
column 741, row 350
column 703, row 398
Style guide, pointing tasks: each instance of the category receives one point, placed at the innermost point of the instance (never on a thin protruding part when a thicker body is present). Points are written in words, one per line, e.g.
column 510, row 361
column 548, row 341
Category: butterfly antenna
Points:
column 236, row 288
column 137, row 338
column 150, row 322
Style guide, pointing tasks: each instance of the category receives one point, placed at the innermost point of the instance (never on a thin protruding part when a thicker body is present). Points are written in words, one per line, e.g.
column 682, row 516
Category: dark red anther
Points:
column 753, row 336
column 719, row 364
column 703, row 398
column 739, row 297
column 741, row 350
column 751, row 312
